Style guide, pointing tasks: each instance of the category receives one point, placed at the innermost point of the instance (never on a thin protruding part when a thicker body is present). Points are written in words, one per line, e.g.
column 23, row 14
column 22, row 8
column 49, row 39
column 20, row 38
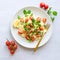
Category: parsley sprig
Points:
column 52, row 14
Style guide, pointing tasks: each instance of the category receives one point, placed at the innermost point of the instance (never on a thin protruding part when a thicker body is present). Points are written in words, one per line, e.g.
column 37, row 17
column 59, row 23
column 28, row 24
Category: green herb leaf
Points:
column 54, row 13
column 18, row 17
column 52, row 18
column 24, row 11
column 29, row 11
column 33, row 20
column 49, row 10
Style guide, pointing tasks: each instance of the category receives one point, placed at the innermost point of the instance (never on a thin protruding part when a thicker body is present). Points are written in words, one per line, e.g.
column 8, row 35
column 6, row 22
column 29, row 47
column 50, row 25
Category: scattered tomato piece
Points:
column 26, row 20
column 31, row 17
column 37, row 35
column 41, row 28
column 21, row 20
column 44, row 20
column 33, row 38
column 27, row 37
column 38, row 18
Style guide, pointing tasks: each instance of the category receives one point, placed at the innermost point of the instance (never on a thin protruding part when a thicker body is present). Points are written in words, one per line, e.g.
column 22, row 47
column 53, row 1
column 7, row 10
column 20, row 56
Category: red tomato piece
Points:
column 12, row 51
column 42, row 4
column 33, row 38
column 21, row 20
column 15, row 47
column 27, row 37
column 38, row 18
column 7, row 43
column 31, row 17
column 46, row 6
column 26, row 20
column 44, row 20
column 12, row 43
column 10, row 47
column 37, row 35
column 41, row 28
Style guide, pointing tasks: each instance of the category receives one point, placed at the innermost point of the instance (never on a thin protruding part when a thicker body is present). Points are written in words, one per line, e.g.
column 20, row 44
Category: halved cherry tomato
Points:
column 33, row 38
column 26, row 20
column 41, row 28
column 42, row 4
column 44, row 20
column 31, row 17
column 38, row 35
column 19, row 32
column 27, row 37
column 30, row 31
column 45, row 6
column 38, row 18
column 21, row 20
column 27, row 26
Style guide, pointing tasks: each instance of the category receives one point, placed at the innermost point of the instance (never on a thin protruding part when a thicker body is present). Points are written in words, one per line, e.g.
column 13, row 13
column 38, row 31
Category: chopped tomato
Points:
column 38, row 18
column 44, row 20
column 41, row 28
column 21, row 20
column 27, row 26
column 26, row 20
column 33, row 38
column 37, row 35
column 31, row 17
column 20, row 31
column 30, row 31
column 27, row 37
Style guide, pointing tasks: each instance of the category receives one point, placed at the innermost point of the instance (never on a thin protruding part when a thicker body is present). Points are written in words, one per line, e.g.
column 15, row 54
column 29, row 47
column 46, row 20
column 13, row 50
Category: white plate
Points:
column 37, row 12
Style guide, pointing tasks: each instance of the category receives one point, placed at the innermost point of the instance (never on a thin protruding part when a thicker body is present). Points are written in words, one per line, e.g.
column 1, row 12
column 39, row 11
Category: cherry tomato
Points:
column 15, row 46
column 41, row 28
column 46, row 6
column 33, row 38
column 42, row 4
column 38, row 18
column 12, row 51
column 12, row 43
column 7, row 43
column 44, row 20
column 10, row 47
column 27, row 37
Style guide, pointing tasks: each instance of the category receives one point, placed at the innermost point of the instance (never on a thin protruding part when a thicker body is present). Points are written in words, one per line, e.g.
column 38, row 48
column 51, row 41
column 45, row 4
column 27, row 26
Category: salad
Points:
column 30, row 27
